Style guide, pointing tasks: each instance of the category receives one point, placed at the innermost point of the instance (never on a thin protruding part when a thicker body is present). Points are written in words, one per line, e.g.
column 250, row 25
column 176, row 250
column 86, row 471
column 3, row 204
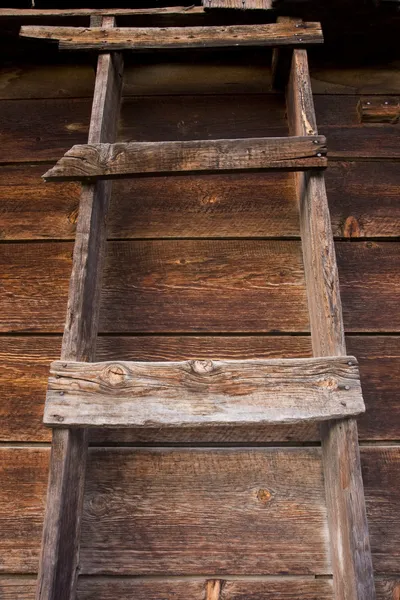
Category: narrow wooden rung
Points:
column 109, row 161
column 202, row 393
column 139, row 38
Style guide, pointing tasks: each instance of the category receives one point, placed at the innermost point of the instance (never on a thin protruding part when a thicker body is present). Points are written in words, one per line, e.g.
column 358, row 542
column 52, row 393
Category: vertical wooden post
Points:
column 350, row 549
column 61, row 532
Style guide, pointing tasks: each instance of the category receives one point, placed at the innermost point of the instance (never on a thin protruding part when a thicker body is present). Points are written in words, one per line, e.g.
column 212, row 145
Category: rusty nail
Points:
column 64, row 365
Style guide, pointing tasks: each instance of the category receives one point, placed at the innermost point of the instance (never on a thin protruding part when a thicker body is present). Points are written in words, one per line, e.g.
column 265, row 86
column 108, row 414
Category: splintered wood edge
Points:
column 202, row 393
column 131, row 38
column 108, row 161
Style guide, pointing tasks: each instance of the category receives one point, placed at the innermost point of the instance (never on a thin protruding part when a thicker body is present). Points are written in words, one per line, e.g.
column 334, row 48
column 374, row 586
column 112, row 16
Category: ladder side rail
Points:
column 347, row 518
column 59, row 559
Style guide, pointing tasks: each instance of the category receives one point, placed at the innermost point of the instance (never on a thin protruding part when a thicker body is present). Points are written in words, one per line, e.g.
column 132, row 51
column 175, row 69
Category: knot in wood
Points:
column 202, row 366
column 264, row 496
column 114, row 374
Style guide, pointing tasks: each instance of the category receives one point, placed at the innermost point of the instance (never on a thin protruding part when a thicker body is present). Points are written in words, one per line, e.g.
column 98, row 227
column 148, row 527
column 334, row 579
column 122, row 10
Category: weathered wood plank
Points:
column 43, row 130
column 348, row 527
column 276, row 588
column 193, row 286
column 127, row 494
column 59, row 558
column 240, row 4
column 202, row 393
column 145, row 78
column 26, row 362
column 363, row 198
column 96, row 12
column 381, row 110
column 106, row 161
column 137, row 38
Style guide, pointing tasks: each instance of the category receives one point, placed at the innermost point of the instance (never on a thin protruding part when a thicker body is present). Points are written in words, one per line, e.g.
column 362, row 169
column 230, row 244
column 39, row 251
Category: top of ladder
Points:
column 146, row 38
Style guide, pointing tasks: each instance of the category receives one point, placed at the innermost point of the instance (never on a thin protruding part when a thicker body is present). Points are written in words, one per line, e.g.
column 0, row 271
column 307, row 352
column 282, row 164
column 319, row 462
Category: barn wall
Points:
column 197, row 266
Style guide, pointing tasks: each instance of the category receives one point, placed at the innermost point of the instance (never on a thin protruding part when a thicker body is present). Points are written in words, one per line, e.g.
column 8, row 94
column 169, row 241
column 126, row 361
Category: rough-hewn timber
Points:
column 350, row 547
column 61, row 531
column 138, row 38
column 107, row 161
column 202, row 393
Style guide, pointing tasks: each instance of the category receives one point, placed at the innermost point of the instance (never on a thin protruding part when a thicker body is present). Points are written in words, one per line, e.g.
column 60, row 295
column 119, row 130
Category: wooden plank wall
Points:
column 197, row 266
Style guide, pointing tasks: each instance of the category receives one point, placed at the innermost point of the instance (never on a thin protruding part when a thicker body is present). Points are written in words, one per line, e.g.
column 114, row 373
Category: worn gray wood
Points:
column 239, row 4
column 98, row 12
column 105, row 161
column 61, row 532
column 350, row 548
column 142, row 38
column 202, row 393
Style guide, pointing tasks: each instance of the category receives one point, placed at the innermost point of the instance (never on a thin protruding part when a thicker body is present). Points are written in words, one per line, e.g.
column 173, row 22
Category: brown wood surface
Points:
column 353, row 575
column 59, row 559
column 126, row 502
column 192, row 285
column 222, row 77
column 91, row 162
column 241, row 4
column 93, row 12
column 202, row 393
column 26, row 362
column 283, row 588
column 137, row 38
column 363, row 200
column 43, row 130
column 381, row 110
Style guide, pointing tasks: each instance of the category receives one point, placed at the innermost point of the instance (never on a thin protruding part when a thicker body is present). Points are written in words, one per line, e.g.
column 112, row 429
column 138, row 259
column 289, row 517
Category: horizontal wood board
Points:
column 363, row 199
column 191, row 286
column 136, row 38
column 26, row 362
column 275, row 495
column 202, row 393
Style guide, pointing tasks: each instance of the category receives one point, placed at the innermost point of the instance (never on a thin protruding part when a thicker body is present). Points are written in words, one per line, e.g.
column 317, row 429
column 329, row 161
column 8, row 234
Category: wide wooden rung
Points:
column 151, row 38
column 109, row 161
column 202, row 393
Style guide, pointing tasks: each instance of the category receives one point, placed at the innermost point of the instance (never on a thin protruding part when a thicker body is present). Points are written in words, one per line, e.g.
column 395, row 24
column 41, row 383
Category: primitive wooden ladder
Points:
column 84, row 394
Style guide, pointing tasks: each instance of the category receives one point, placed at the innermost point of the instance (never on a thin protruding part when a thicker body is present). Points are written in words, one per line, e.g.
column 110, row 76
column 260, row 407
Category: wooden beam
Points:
column 379, row 110
column 239, row 4
column 139, row 38
column 106, row 161
column 97, row 12
column 350, row 549
column 202, row 393
column 61, row 532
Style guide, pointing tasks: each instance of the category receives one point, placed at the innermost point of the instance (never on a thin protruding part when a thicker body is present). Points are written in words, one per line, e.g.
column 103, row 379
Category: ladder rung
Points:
column 139, row 38
column 202, row 393
column 108, row 161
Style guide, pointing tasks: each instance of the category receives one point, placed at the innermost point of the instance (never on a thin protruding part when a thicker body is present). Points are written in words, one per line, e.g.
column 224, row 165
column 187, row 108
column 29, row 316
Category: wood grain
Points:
column 126, row 502
column 363, row 199
column 97, row 12
column 69, row 79
column 240, row 4
column 202, row 393
column 281, row 588
column 353, row 575
column 383, row 110
column 197, row 285
column 43, row 130
column 59, row 560
column 137, row 38
column 26, row 362
column 107, row 161
column 144, row 78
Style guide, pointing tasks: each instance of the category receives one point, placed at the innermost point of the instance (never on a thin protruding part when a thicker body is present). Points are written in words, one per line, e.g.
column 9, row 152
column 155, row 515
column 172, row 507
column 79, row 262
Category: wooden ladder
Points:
column 84, row 394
